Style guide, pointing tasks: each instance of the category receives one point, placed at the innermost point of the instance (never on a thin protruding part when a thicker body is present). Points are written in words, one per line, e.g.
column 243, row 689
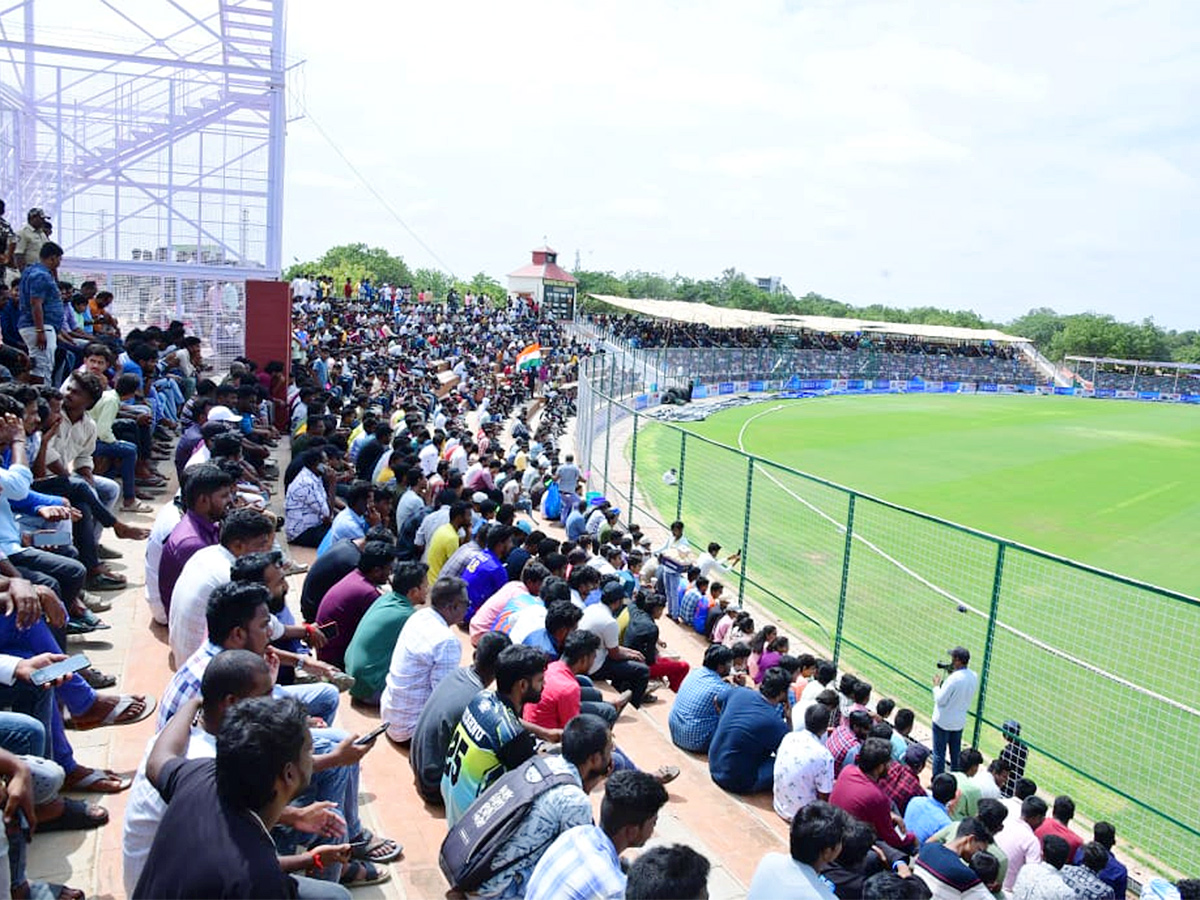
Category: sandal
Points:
column 376, row 850
column 137, row 507
column 87, row 617
column 362, row 873
column 107, row 552
column 45, row 890
column 98, row 781
column 105, row 581
column 122, row 713
column 96, row 679
column 77, row 816
column 666, row 774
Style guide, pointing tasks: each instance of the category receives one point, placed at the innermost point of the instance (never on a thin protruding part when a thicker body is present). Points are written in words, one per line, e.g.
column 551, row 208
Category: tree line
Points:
column 1055, row 334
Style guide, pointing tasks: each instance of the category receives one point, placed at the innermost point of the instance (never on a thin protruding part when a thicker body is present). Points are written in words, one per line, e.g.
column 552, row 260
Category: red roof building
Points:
column 546, row 283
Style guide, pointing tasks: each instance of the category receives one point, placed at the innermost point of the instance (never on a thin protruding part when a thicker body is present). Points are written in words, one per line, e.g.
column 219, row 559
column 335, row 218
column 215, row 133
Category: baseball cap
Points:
column 37, row 211
column 960, row 653
column 478, row 497
column 615, row 512
column 915, row 755
column 222, row 414
column 1011, row 727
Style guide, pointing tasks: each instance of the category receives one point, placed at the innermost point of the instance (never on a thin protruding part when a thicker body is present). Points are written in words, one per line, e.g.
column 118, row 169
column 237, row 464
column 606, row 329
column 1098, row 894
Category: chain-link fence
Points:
column 1098, row 669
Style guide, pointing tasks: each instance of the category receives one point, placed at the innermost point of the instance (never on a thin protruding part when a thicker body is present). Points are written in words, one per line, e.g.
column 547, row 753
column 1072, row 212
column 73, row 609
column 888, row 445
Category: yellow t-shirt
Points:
column 521, row 460
column 441, row 547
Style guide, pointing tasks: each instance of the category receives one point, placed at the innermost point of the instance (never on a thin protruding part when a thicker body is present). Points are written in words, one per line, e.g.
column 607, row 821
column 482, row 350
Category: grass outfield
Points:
column 1101, row 674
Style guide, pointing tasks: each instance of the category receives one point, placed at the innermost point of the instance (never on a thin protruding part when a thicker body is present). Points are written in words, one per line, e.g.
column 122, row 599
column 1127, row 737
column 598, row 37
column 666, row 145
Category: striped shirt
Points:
column 581, row 864
column 426, row 652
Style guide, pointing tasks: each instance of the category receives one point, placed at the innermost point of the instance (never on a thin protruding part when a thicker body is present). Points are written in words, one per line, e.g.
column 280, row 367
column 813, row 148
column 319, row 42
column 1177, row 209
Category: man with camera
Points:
column 951, row 700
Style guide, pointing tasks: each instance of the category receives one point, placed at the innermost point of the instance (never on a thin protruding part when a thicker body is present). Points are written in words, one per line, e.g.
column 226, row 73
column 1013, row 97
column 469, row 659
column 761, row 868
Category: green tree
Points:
column 433, row 280
column 355, row 261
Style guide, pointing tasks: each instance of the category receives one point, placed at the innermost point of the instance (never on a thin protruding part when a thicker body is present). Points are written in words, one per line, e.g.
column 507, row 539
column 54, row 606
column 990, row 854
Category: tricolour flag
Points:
column 529, row 357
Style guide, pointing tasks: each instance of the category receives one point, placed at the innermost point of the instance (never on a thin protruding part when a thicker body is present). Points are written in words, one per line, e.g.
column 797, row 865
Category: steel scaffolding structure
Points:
column 152, row 133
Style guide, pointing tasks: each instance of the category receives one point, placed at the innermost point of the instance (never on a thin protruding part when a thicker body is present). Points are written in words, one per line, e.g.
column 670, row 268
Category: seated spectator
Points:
column 370, row 650
column 1084, row 878
column 925, row 816
column 484, row 572
column 803, row 767
column 903, row 779
column 491, row 739
column 857, row 791
column 642, row 635
column 1114, row 873
column 1043, row 880
column 587, row 749
column 584, row 862
column 332, row 566
column 425, row 653
column 206, row 497
column 307, row 511
column 500, row 610
column 1019, row 841
column 848, row 736
column 815, row 842
column 857, row 862
column 699, row 701
column 443, row 711
column 992, row 813
column 547, row 625
column 741, row 756
column 1059, row 823
column 969, row 762
column 348, row 601
column 353, row 521
column 624, row 668
column 672, row 871
column 944, row 868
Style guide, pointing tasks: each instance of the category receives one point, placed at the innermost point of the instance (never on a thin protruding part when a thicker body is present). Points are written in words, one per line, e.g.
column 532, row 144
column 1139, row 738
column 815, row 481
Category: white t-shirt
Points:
column 206, row 570
column 145, row 808
column 952, row 699
column 599, row 620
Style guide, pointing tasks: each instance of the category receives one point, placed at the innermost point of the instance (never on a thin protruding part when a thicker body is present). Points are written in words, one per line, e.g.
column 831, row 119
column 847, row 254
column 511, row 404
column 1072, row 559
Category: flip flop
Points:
column 96, row 679
column 90, row 783
column 105, row 582
column 87, row 617
column 46, row 890
column 138, row 507
column 666, row 774
column 124, row 702
column 77, row 816
column 363, row 873
column 378, row 850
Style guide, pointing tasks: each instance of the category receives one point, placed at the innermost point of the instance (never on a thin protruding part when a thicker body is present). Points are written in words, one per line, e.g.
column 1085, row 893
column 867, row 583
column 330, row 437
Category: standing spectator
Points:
column 951, row 701
column 584, row 862
column 803, row 767
column 1016, row 754
column 443, row 711
column 815, row 842
column 490, row 739
column 426, row 652
column 741, row 757
column 40, row 306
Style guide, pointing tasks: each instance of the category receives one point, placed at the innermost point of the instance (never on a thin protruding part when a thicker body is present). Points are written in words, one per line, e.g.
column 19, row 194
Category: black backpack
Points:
column 468, row 850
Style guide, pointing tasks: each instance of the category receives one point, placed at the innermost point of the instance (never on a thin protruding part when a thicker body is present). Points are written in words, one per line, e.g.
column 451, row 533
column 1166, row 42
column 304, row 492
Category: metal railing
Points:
column 1098, row 668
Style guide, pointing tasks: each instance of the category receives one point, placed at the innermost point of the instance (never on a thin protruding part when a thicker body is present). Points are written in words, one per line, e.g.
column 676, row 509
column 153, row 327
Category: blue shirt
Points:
column 347, row 525
column 688, row 605
column 924, row 817
column 38, row 281
column 576, row 525
column 542, row 640
column 694, row 717
column 484, row 575
column 581, row 864
column 748, row 733
column 14, row 485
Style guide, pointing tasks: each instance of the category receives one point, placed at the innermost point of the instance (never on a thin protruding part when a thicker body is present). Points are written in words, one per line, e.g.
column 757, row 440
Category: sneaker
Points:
column 341, row 681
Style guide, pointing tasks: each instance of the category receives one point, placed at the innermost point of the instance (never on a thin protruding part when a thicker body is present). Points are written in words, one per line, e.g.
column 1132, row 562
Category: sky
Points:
column 995, row 156
column 991, row 155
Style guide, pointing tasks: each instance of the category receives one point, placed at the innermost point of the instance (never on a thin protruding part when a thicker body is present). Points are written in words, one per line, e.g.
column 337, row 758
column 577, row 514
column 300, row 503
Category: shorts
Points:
column 41, row 362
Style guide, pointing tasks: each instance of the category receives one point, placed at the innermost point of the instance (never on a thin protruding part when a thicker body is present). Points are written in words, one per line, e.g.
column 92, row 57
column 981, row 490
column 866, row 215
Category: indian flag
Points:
column 529, row 357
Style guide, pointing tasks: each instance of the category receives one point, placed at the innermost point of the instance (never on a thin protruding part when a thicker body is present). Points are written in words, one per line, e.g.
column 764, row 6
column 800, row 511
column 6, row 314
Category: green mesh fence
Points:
column 1097, row 668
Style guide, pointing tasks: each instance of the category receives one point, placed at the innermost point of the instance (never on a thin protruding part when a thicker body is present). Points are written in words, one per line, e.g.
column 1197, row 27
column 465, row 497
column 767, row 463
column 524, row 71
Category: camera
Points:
column 944, row 666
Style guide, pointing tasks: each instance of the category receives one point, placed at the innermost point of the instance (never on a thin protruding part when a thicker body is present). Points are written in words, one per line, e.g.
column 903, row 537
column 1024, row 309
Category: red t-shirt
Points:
column 1053, row 826
column 560, row 698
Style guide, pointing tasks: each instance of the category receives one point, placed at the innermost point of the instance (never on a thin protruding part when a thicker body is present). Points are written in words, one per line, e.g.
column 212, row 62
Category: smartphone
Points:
column 49, row 538
column 329, row 629
column 57, row 670
column 370, row 735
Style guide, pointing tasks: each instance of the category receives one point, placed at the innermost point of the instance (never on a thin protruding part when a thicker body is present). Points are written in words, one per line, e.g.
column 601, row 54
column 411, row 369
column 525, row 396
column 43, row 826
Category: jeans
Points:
column 124, row 454
column 96, row 506
column 318, row 889
column 592, row 701
column 62, row 574
column 626, row 675
column 22, row 734
column 38, row 704
column 941, row 739
column 338, row 785
column 320, row 699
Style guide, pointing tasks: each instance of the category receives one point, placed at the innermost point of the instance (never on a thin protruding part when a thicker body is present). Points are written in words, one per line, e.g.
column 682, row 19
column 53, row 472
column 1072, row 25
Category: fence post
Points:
column 679, row 480
column 632, row 469
column 988, row 641
column 746, row 531
column 607, row 443
column 841, row 615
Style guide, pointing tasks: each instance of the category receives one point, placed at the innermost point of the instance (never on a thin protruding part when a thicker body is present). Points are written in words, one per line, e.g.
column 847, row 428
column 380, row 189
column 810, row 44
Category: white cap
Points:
column 223, row 414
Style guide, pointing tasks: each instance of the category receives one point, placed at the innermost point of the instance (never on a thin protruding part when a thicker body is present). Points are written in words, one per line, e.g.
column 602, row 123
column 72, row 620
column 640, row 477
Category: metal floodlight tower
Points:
column 152, row 133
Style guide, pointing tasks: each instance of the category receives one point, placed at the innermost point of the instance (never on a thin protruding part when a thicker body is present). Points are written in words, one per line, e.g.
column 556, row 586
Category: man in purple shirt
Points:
column 348, row 601
column 485, row 573
column 206, row 496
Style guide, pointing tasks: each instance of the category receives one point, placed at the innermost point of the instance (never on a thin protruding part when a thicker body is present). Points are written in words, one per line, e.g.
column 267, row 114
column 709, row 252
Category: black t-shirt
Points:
column 205, row 847
column 330, row 567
